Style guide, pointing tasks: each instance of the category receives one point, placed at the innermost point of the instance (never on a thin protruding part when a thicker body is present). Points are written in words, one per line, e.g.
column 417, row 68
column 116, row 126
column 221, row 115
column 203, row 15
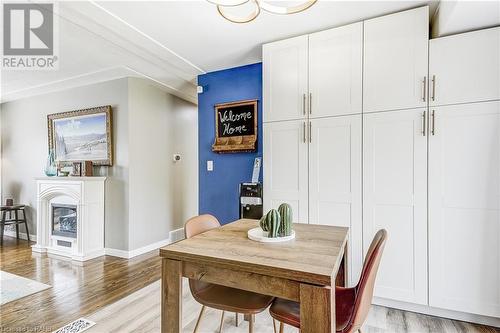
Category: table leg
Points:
column 346, row 264
column 171, row 296
column 317, row 309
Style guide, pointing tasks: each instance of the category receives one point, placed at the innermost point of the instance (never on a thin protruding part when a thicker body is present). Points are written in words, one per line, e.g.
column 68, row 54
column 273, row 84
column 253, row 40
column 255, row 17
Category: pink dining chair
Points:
column 221, row 297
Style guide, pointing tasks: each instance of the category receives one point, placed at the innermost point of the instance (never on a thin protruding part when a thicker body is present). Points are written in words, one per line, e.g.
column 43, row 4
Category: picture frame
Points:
column 80, row 135
column 77, row 169
column 236, row 127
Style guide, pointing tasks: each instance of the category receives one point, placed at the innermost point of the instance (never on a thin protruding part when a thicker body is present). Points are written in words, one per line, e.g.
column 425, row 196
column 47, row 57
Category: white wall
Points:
column 453, row 17
column 24, row 149
column 147, row 194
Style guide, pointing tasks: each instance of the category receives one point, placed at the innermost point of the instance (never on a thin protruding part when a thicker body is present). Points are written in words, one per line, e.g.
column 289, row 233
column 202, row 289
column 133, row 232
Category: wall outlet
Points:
column 210, row 165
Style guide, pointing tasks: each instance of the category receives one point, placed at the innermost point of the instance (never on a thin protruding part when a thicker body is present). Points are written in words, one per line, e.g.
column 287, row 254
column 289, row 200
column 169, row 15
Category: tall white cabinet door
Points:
column 465, row 67
column 285, row 79
column 464, row 209
column 335, row 71
column 285, row 167
column 395, row 198
column 335, row 181
column 395, row 61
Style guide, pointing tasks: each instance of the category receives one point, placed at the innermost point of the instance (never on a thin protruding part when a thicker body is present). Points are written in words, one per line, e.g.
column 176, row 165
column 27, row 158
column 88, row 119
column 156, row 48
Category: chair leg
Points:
column 221, row 322
column 237, row 318
column 274, row 325
column 26, row 225
column 16, row 217
column 250, row 324
column 2, row 225
column 282, row 327
column 199, row 319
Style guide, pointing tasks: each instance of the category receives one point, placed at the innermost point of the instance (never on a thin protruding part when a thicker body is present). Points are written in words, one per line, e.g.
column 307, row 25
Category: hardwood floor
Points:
column 140, row 312
column 124, row 296
column 76, row 290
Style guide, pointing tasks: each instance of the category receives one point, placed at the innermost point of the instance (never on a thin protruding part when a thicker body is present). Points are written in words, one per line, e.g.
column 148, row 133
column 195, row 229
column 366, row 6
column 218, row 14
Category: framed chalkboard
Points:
column 235, row 127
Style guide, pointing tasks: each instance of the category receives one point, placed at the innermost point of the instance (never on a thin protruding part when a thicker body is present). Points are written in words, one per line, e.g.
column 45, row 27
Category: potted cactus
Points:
column 285, row 211
column 271, row 223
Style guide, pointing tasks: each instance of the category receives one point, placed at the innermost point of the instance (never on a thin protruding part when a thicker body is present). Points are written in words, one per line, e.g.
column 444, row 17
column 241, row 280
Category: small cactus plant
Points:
column 285, row 211
column 271, row 223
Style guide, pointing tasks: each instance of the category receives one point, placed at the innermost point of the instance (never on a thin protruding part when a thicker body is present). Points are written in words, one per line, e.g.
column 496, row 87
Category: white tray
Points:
column 259, row 235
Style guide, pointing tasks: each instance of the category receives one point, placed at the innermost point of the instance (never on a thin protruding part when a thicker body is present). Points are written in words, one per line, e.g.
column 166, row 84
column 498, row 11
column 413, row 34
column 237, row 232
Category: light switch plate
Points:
column 210, row 165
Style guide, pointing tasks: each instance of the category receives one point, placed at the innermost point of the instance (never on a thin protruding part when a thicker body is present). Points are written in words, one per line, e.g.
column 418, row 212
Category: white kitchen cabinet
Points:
column 395, row 198
column 285, row 79
column 464, row 208
column 395, row 61
column 335, row 181
column 465, row 68
column 285, row 167
column 335, row 71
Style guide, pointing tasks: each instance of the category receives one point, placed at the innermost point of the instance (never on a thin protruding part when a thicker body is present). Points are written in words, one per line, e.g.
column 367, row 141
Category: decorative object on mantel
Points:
column 77, row 169
column 50, row 166
column 64, row 169
column 275, row 226
column 235, row 127
column 244, row 11
column 82, row 135
column 87, row 169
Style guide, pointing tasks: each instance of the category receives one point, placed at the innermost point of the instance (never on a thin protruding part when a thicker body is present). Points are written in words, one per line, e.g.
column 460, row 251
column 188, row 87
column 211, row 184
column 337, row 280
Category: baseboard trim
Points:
column 22, row 235
column 437, row 312
column 174, row 236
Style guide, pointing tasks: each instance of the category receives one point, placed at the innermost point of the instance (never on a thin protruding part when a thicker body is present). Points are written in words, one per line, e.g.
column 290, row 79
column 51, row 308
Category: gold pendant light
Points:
column 244, row 11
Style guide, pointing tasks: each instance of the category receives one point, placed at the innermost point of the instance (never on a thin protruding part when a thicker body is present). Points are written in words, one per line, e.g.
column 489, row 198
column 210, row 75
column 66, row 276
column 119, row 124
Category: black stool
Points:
column 16, row 209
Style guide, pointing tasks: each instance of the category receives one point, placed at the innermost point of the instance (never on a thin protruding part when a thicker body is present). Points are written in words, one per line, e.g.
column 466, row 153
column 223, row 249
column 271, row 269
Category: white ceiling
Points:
column 171, row 42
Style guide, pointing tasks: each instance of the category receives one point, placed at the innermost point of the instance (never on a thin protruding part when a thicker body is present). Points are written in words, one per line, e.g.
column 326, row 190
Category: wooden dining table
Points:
column 303, row 270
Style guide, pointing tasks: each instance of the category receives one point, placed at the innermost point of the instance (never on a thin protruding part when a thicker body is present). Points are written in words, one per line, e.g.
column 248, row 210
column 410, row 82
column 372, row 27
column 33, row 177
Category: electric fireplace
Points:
column 64, row 220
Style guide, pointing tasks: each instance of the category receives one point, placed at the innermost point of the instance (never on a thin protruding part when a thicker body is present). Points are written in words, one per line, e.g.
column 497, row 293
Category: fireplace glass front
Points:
column 64, row 220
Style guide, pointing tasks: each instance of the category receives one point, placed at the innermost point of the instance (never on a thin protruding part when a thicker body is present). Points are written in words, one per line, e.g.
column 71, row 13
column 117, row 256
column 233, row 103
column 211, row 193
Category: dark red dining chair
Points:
column 221, row 297
column 351, row 304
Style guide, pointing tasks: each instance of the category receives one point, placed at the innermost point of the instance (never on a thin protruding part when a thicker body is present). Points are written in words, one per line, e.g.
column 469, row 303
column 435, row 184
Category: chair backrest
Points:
column 364, row 292
column 200, row 224
column 194, row 226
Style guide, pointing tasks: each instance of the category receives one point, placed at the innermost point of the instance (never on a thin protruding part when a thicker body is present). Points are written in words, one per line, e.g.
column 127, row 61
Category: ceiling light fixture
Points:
column 232, row 10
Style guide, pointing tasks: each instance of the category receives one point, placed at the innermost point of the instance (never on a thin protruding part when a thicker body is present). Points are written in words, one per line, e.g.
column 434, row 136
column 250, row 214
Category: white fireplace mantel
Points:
column 87, row 194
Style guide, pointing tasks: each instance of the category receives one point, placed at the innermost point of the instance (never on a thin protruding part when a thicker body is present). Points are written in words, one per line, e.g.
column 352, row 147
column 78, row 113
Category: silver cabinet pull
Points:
column 310, row 132
column 433, row 129
column 423, row 122
column 310, row 103
column 424, row 89
column 304, row 104
column 304, row 132
column 433, row 97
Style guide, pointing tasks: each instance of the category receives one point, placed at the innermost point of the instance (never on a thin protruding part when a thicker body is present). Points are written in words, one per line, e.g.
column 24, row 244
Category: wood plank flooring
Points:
column 124, row 296
column 76, row 290
column 140, row 312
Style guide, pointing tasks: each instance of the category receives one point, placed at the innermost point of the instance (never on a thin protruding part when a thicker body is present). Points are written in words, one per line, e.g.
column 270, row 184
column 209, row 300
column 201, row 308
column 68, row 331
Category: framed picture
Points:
column 235, row 127
column 82, row 135
column 77, row 169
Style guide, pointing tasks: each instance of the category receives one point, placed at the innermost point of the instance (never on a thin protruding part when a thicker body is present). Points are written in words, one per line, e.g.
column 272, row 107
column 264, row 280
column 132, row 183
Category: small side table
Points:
column 17, row 210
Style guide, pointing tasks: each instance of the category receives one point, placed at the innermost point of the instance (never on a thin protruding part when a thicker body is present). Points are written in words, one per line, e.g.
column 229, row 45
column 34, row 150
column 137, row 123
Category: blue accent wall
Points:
column 218, row 189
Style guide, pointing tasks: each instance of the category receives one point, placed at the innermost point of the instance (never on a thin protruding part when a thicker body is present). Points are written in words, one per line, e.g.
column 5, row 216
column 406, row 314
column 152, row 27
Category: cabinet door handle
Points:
column 433, row 97
column 310, row 103
column 304, row 104
column 423, row 122
column 304, row 132
column 310, row 132
column 424, row 88
column 433, row 130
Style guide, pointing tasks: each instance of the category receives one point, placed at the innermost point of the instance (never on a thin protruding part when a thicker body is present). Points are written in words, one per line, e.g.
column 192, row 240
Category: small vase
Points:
column 50, row 167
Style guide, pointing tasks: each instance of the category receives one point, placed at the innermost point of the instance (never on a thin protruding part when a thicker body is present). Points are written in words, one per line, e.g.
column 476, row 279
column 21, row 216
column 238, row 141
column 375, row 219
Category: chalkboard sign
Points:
column 235, row 127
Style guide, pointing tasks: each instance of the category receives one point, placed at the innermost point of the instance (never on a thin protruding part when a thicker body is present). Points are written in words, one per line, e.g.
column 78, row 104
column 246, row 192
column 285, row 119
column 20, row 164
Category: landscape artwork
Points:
column 83, row 135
